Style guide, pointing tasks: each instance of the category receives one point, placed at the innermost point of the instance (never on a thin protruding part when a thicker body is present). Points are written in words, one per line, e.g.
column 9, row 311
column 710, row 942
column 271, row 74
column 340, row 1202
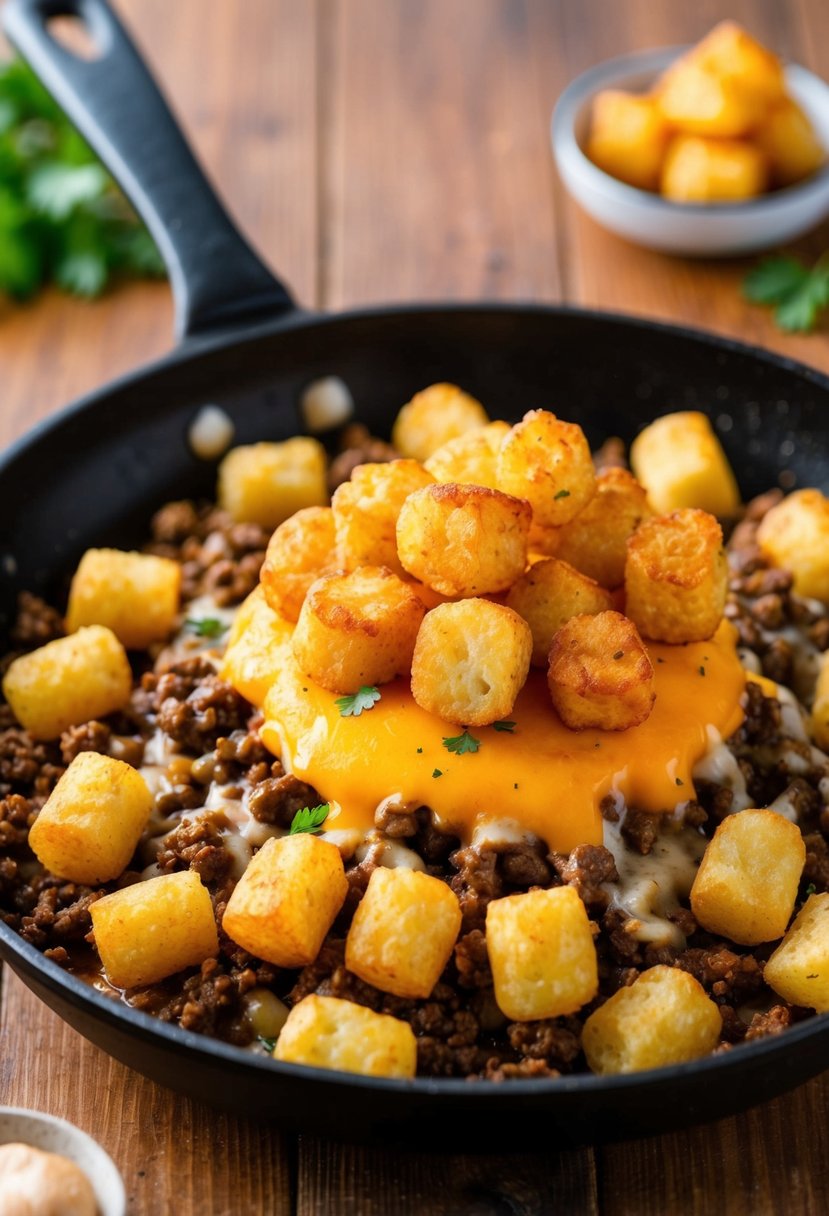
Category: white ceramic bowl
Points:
column 57, row 1136
column 702, row 230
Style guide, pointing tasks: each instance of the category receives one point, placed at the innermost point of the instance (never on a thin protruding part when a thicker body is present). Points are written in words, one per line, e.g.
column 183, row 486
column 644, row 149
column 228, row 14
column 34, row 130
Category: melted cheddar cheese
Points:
column 548, row 779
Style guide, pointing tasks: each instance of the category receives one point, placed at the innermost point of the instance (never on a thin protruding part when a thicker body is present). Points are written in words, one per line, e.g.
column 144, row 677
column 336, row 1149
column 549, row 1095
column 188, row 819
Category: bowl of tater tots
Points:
column 716, row 149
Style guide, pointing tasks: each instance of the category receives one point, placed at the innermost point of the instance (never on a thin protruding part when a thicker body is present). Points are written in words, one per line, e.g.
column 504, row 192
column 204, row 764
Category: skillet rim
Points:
column 145, row 1027
column 223, row 339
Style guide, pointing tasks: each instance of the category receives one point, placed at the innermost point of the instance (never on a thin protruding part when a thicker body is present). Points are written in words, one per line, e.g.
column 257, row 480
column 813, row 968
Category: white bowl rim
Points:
column 656, row 59
column 105, row 1176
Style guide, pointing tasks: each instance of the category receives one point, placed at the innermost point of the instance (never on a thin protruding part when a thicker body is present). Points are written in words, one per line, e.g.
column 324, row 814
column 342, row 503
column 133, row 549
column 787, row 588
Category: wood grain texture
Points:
column 379, row 151
column 175, row 1155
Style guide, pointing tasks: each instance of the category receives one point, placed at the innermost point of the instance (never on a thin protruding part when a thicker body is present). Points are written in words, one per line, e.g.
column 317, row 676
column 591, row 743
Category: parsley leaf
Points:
column 797, row 294
column 353, row 705
column 267, row 1043
column 561, row 494
column 509, row 727
column 810, row 890
column 461, row 744
column 309, row 819
column 206, row 626
column 437, row 772
column 62, row 218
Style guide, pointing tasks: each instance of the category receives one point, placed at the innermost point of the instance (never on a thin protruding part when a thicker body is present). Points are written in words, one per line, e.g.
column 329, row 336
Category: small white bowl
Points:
column 57, row 1136
column 696, row 229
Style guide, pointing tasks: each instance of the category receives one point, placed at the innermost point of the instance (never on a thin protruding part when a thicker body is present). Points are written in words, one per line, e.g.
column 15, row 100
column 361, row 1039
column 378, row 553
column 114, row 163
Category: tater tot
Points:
column 463, row 540
column 470, row 458
column 433, row 417
column 470, row 661
column 548, row 462
column 600, row 675
column 595, row 542
column 357, row 629
column 675, row 577
column 548, row 595
column 795, row 536
column 366, row 510
column 299, row 552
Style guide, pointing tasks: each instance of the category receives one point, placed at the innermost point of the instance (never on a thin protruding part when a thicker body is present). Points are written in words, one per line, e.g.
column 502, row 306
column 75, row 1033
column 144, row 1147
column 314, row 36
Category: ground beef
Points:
column 557, row 1041
column 640, row 830
column 36, row 623
column 586, row 869
column 90, row 737
column 359, row 446
column 728, row 976
column 28, row 766
column 17, row 814
column 472, row 960
column 198, row 845
column 778, row 1019
column 476, row 883
column 193, row 706
column 277, row 799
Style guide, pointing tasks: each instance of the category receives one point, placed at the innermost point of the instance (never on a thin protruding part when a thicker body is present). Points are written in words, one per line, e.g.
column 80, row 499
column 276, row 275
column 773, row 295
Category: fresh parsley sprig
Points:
column 206, row 626
column 504, row 726
column 461, row 744
column 309, row 819
column 797, row 294
column 62, row 219
column 352, row 706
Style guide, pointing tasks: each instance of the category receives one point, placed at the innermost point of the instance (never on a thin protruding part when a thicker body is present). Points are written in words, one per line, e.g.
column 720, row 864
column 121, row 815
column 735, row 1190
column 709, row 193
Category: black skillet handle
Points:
column 114, row 101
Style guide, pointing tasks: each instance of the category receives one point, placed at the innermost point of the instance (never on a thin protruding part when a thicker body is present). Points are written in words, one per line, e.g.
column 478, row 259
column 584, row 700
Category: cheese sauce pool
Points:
column 548, row 779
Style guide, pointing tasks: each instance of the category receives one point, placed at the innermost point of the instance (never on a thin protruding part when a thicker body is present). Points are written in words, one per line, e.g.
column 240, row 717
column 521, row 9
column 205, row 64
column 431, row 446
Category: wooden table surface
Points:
column 395, row 150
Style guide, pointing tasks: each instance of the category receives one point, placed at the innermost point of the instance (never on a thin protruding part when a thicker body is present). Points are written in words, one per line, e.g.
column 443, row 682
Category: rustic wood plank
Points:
column 372, row 1182
column 768, row 1161
column 436, row 172
column 175, row 1154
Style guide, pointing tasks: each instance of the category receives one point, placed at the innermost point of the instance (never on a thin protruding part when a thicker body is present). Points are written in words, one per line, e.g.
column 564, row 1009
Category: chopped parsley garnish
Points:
column 507, row 727
column 62, row 220
column 811, row 889
column 309, row 819
column 268, row 1044
column 461, row 744
column 701, row 670
column 352, row 706
column 620, row 654
column 679, row 781
column 420, row 751
column 437, row 772
column 206, row 626
column 515, row 786
column 561, row 494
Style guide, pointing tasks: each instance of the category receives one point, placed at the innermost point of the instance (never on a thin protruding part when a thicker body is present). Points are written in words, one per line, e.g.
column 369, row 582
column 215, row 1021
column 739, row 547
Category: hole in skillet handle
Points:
column 72, row 33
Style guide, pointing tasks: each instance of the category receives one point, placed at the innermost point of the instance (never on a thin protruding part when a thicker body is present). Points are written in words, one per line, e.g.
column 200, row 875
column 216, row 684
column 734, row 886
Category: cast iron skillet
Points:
column 94, row 474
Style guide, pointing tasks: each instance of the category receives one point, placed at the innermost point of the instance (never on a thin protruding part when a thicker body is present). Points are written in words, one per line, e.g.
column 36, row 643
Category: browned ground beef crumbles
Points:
column 210, row 745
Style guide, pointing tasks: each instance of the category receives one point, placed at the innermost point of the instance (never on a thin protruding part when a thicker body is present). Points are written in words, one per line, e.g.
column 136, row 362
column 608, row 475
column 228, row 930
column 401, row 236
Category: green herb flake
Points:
column 268, row 1044
column 811, row 889
column 505, row 727
column 701, row 670
column 620, row 654
column 353, row 705
column 420, row 751
column 461, row 744
column 437, row 772
column 561, row 494
column 206, row 626
column 797, row 293
column 679, row 781
column 309, row 819
column 515, row 786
